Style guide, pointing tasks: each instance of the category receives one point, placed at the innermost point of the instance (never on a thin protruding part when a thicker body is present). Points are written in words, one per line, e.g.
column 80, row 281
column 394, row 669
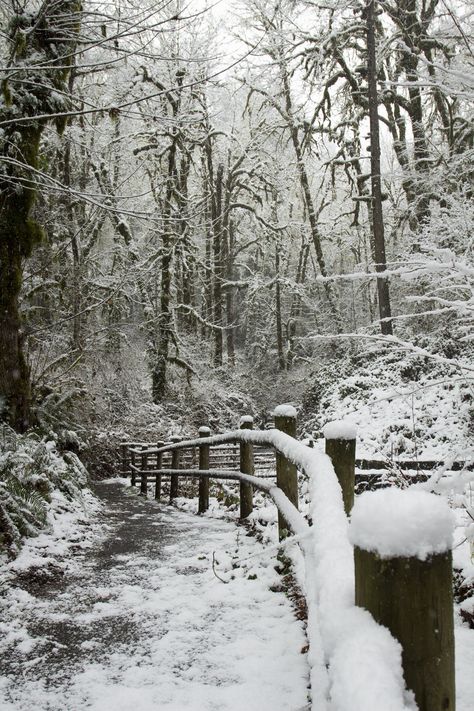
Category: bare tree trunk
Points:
column 207, row 180
column 76, row 285
column 15, row 391
column 159, row 368
column 279, row 325
column 376, row 178
column 218, row 267
column 229, row 293
column 161, row 355
column 307, row 196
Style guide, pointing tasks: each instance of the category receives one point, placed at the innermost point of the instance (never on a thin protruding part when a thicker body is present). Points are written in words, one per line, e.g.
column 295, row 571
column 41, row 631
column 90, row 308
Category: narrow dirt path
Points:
column 143, row 623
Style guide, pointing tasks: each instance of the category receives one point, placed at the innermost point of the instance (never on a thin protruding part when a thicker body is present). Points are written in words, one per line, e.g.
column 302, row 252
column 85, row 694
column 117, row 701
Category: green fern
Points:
column 30, row 470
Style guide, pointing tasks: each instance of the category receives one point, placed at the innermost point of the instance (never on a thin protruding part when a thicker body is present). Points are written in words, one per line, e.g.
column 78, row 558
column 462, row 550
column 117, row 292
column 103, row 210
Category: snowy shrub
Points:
column 31, row 469
column 404, row 405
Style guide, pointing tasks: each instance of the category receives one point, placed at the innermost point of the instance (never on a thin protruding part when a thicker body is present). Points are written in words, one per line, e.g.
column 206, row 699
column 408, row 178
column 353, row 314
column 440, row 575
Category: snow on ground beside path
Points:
column 398, row 418
column 71, row 527
column 464, row 666
column 185, row 640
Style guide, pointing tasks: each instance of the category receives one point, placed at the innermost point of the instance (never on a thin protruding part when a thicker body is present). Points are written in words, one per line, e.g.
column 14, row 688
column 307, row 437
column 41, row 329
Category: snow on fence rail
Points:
column 356, row 662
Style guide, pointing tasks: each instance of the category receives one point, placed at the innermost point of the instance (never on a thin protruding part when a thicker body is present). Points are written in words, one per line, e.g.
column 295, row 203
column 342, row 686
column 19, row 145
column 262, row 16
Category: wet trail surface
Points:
column 132, row 532
column 140, row 622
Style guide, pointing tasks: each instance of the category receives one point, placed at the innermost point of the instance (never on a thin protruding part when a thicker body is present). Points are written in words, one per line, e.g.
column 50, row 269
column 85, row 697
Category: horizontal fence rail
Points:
column 336, row 627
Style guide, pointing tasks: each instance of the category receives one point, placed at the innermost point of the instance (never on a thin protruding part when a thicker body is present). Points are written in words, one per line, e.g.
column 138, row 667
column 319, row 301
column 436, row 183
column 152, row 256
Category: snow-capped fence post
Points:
column 143, row 473
column 247, row 467
column 403, row 577
column 159, row 463
column 287, row 474
column 133, row 477
column 174, row 480
column 204, row 450
column 340, row 447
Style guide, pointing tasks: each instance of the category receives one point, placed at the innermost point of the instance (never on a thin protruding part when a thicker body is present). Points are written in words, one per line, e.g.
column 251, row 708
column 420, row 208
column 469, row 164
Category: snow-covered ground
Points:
column 400, row 413
column 135, row 606
column 140, row 620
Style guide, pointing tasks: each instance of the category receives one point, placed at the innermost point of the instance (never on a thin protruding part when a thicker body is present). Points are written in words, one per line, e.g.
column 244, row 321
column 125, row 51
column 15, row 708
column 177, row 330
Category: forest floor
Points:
column 136, row 618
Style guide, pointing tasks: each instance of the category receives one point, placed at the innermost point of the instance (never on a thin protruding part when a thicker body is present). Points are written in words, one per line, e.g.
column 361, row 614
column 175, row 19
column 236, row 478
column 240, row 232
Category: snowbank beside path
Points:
column 72, row 527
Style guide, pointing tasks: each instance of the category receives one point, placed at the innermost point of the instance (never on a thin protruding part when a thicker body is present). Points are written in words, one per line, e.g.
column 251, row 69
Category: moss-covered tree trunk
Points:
column 165, row 324
column 48, row 37
column 14, row 372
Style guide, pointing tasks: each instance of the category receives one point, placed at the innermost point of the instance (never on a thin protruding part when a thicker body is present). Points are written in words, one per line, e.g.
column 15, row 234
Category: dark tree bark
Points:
column 51, row 34
column 376, row 202
column 217, row 221
column 160, row 363
column 279, row 323
column 307, row 195
column 229, row 241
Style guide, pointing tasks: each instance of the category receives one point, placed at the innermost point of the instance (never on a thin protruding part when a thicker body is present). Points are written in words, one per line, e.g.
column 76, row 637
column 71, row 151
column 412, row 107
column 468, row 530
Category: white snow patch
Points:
column 198, row 644
column 246, row 420
column 68, row 527
column 340, row 429
column 464, row 664
column 396, row 523
column 285, row 411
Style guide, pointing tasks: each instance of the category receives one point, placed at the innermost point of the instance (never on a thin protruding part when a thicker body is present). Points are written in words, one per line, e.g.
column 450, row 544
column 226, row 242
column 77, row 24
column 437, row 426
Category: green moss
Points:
column 29, row 35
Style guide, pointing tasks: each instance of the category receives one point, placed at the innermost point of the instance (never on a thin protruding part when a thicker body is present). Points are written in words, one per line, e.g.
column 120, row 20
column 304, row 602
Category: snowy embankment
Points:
column 401, row 413
column 41, row 489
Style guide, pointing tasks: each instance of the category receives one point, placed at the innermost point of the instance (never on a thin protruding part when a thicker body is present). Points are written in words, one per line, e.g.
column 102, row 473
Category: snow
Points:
column 354, row 663
column 340, row 429
column 204, row 431
column 396, row 523
column 398, row 418
column 193, row 641
column 68, row 528
column 285, row 411
column 246, row 420
column 345, row 641
column 464, row 660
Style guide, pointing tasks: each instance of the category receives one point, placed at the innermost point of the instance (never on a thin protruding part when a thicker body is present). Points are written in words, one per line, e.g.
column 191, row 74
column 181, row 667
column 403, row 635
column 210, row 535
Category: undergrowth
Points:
column 31, row 469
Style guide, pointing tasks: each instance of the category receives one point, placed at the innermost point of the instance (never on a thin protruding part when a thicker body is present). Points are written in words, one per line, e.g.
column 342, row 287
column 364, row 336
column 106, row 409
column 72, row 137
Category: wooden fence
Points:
column 236, row 456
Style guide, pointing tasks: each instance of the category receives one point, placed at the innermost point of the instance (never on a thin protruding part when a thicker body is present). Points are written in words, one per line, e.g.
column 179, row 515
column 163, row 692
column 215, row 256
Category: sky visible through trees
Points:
column 194, row 190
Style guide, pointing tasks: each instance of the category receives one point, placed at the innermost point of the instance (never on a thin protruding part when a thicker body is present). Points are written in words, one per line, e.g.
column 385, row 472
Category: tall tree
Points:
column 42, row 46
column 375, row 175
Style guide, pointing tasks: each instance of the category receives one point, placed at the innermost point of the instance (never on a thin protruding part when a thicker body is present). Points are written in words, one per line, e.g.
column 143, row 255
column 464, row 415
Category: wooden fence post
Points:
column 159, row 464
column 144, row 474
column 411, row 594
column 124, row 458
column 287, row 474
column 133, row 476
column 204, row 452
column 174, row 480
column 340, row 447
column 247, row 467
